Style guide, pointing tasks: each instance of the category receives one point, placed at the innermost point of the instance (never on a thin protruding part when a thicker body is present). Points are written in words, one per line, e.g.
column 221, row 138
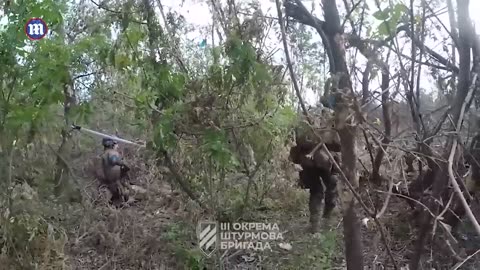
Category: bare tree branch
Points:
column 289, row 62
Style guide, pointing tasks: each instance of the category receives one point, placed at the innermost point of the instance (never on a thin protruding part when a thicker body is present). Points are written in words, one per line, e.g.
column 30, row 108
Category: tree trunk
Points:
column 62, row 181
column 332, row 36
column 388, row 129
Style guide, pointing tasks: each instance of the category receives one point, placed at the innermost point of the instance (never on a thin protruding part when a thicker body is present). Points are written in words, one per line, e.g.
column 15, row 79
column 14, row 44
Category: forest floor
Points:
column 159, row 232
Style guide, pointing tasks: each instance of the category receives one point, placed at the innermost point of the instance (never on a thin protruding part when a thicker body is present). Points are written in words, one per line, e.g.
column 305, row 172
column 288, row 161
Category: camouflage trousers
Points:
column 323, row 186
column 120, row 192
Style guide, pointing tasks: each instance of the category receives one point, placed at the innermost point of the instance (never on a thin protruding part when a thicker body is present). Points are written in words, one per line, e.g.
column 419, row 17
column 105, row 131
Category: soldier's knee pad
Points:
column 332, row 181
column 315, row 201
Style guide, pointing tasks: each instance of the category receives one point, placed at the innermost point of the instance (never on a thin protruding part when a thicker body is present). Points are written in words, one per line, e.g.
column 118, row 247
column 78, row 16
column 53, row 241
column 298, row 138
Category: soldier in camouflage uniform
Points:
column 319, row 174
column 114, row 171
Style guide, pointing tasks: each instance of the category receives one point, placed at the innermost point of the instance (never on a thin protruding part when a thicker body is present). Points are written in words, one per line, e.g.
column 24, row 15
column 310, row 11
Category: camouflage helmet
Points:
column 108, row 142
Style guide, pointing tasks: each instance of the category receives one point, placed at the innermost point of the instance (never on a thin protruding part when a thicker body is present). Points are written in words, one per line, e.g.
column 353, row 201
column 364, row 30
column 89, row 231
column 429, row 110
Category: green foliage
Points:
column 170, row 86
column 81, row 113
column 32, row 241
column 215, row 147
column 191, row 258
column 317, row 252
column 135, row 35
column 164, row 138
column 271, row 132
column 27, row 239
column 236, row 97
column 39, row 78
column 49, row 10
column 242, row 56
column 328, row 240
column 126, row 89
column 311, row 58
column 390, row 18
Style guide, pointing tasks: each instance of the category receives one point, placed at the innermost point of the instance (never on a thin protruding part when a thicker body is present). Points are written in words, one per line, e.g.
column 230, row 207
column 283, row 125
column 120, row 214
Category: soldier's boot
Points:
column 315, row 205
column 330, row 195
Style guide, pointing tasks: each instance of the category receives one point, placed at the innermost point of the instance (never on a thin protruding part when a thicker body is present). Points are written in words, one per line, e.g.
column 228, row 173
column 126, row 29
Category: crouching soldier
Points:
column 114, row 172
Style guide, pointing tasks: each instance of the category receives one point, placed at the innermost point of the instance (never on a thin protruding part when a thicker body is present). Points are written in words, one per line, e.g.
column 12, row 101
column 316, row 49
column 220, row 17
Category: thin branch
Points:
column 451, row 157
column 349, row 13
column 83, row 75
column 102, row 6
column 171, row 41
column 289, row 62
column 450, row 33
column 466, row 259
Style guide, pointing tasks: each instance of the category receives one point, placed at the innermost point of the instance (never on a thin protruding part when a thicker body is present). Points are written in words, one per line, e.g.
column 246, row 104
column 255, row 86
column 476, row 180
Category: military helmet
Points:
column 108, row 142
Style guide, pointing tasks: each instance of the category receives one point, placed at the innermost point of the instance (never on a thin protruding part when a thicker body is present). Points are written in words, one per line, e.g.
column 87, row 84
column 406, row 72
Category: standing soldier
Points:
column 318, row 173
column 114, row 172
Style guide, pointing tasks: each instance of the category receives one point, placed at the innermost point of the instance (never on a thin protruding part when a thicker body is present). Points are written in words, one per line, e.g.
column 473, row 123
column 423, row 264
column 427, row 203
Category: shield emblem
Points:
column 207, row 237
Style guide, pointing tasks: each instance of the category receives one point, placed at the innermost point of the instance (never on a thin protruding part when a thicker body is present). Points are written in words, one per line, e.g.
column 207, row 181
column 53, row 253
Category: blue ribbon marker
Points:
column 203, row 44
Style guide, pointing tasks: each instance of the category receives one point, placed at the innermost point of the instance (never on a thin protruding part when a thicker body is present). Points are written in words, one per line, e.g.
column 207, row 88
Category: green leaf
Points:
column 163, row 137
column 121, row 61
column 215, row 146
column 135, row 35
column 400, row 9
column 381, row 15
column 383, row 29
column 387, row 28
